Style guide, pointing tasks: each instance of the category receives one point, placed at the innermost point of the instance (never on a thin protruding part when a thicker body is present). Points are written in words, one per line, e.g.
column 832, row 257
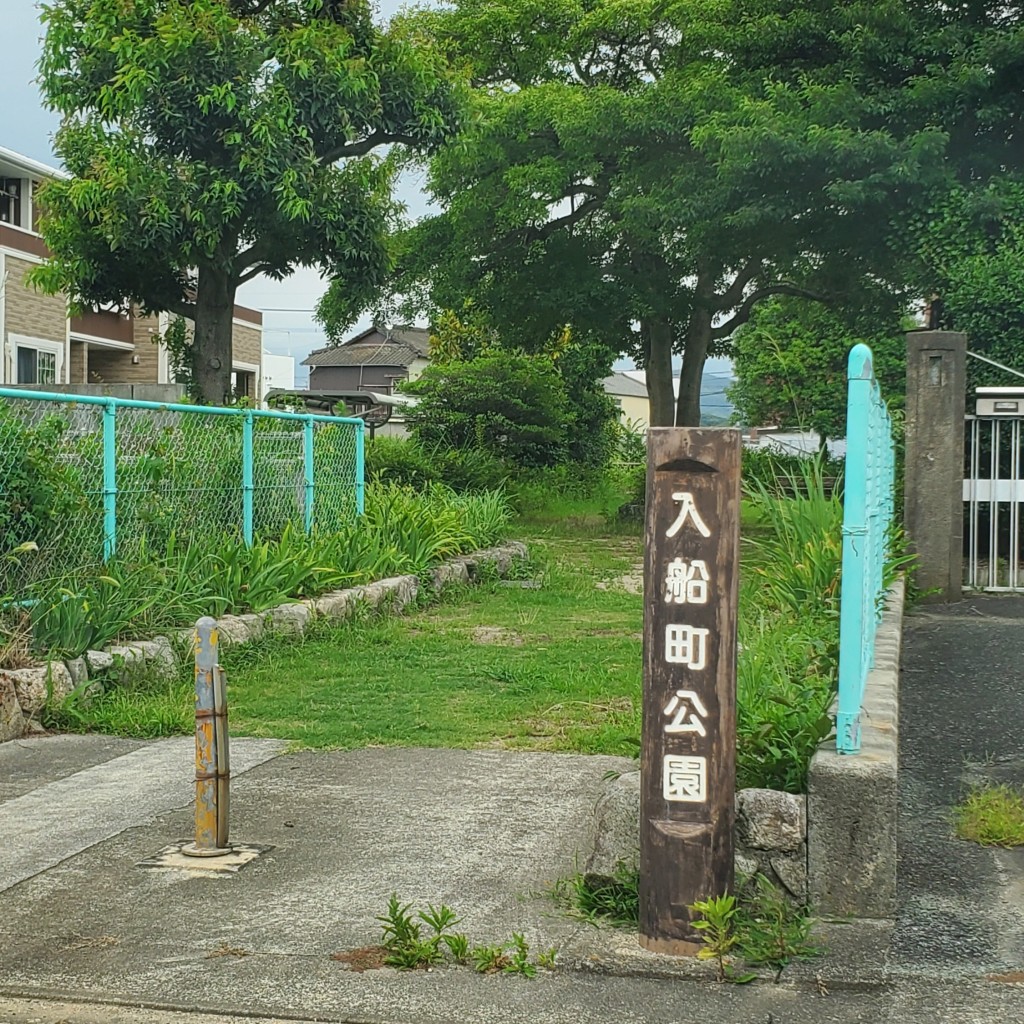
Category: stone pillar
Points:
column 933, row 510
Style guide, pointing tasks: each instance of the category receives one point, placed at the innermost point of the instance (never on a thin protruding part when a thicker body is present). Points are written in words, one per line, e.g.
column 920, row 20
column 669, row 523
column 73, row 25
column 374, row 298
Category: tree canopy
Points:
column 650, row 172
column 790, row 361
column 212, row 141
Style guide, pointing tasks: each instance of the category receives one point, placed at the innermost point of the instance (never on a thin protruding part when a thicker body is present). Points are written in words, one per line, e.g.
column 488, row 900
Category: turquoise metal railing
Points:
column 148, row 469
column 867, row 513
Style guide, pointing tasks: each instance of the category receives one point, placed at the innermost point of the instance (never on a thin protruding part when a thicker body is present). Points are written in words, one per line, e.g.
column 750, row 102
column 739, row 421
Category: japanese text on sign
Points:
column 686, row 583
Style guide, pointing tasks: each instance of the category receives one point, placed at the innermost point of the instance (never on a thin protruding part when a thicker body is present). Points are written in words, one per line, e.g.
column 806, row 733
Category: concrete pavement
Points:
column 961, row 906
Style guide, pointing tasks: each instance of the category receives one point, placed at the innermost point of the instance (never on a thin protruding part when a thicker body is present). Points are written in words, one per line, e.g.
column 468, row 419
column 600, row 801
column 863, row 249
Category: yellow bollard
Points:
column 212, row 765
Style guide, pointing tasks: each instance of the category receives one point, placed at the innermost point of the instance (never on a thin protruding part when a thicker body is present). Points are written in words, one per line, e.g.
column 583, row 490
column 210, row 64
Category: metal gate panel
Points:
column 993, row 492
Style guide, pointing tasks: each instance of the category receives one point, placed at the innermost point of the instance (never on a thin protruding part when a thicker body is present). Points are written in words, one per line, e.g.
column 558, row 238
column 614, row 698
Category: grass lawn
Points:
column 551, row 668
column 554, row 665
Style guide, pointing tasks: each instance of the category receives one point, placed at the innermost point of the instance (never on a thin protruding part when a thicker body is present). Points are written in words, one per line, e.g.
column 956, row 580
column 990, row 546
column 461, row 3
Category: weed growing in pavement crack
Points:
column 413, row 938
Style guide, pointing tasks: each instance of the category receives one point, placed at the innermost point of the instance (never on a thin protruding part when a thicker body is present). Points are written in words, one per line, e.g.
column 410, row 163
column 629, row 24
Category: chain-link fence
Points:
column 85, row 479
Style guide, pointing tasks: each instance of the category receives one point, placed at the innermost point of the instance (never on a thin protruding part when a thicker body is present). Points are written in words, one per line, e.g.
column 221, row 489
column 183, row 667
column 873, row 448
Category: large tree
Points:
column 650, row 172
column 212, row 141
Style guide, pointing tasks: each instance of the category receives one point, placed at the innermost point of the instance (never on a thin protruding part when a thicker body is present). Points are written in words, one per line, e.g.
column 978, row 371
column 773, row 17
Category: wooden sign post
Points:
column 689, row 711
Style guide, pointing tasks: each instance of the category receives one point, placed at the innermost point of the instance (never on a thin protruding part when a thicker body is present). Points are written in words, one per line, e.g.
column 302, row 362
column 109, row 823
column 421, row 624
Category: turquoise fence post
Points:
column 109, row 479
column 248, row 488
column 857, row 581
column 307, row 450
column 360, row 467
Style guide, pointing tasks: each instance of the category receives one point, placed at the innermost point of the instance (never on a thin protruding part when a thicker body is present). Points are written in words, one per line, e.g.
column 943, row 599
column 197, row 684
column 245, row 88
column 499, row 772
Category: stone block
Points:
column 12, row 720
column 337, row 605
column 851, row 813
column 616, row 829
column 237, row 629
column 291, row 618
column 449, row 573
column 33, row 686
column 78, row 669
column 791, row 870
column 99, row 661
column 151, row 659
column 767, row 819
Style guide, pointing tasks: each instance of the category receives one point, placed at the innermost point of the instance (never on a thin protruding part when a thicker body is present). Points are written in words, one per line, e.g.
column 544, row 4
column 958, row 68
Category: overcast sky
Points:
column 27, row 128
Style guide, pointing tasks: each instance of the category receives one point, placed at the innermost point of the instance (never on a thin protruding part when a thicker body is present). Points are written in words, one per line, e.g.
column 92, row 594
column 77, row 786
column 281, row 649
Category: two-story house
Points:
column 40, row 345
column 375, row 360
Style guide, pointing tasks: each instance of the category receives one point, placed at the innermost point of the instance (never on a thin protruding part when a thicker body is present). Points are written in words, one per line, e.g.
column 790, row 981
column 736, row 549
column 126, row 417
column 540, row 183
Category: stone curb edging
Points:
column 24, row 692
column 852, row 798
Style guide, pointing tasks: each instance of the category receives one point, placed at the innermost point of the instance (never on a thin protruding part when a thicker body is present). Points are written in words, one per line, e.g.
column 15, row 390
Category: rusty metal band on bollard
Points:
column 212, row 767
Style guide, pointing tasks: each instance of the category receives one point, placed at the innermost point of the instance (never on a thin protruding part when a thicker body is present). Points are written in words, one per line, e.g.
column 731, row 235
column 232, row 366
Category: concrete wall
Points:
column 933, row 478
column 852, row 798
column 168, row 393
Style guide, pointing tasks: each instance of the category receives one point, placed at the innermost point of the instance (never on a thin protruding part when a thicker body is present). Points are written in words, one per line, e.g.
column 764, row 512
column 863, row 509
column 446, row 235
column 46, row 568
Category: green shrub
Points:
column 41, row 480
column 785, row 684
column 405, row 461
column 789, row 623
column 511, row 405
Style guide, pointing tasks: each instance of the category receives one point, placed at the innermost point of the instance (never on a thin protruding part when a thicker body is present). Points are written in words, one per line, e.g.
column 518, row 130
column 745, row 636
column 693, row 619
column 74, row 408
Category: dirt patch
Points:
column 632, row 582
column 496, row 635
column 366, row 958
column 1010, row 978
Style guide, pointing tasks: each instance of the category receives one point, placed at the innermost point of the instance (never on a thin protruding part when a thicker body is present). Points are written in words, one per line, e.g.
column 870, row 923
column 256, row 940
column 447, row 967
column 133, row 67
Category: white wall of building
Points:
column 278, row 372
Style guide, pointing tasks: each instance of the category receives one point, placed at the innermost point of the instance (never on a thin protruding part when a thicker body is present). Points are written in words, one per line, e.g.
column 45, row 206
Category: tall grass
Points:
column 789, row 624
column 403, row 532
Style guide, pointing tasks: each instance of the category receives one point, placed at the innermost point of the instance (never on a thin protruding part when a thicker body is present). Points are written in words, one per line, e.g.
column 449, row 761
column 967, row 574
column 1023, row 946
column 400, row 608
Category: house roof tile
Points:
column 394, row 346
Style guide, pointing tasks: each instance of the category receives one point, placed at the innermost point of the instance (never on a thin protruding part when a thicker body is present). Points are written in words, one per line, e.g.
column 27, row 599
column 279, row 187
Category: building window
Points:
column 37, row 365
column 10, row 201
column 242, row 384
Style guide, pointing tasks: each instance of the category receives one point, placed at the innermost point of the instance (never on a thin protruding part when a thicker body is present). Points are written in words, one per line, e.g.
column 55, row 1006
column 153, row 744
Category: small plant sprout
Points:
column 458, row 947
column 770, row 929
column 488, row 959
column 402, row 938
column 519, row 958
column 546, row 958
column 717, row 925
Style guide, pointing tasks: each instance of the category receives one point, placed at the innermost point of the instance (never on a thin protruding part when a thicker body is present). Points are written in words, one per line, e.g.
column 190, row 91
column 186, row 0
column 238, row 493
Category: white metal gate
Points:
column 994, row 494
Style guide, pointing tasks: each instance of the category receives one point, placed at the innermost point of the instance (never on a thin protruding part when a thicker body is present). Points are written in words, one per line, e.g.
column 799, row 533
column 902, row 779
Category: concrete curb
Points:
column 852, row 799
column 159, row 654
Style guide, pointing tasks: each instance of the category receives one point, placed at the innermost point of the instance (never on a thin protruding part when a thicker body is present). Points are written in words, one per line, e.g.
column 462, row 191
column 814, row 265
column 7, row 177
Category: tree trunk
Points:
column 658, row 343
column 215, row 306
column 698, row 341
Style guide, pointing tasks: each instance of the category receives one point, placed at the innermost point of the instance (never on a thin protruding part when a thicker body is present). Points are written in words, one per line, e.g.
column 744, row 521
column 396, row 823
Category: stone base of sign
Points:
column 771, row 835
column 173, row 858
column 23, row 692
column 852, row 798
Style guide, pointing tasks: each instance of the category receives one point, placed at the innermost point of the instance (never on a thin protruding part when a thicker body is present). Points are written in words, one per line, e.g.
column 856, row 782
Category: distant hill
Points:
column 715, row 407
